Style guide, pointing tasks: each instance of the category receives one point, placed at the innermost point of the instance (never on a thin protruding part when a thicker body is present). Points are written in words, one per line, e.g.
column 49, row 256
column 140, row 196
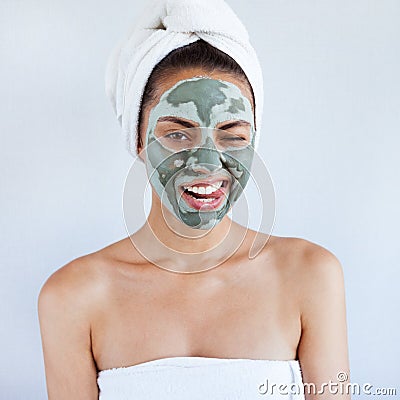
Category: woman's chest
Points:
column 241, row 318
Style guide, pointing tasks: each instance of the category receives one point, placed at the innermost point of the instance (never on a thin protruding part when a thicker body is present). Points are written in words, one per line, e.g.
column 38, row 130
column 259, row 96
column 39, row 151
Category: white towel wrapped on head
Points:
column 163, row 26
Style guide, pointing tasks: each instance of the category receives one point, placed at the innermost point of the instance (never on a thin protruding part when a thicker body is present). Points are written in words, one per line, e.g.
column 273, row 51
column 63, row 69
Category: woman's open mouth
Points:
column 205, row 195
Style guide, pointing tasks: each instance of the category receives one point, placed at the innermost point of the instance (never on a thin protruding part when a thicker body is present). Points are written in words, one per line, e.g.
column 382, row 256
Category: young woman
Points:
column 178, row 309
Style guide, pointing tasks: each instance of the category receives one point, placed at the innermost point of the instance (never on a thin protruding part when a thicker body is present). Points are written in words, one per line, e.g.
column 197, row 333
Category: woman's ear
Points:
column 139, row 144
column 141, row 153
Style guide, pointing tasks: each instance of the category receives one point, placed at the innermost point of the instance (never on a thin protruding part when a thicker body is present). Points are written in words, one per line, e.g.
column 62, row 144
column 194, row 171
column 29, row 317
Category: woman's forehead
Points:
column 192, row 73
column 203, row 99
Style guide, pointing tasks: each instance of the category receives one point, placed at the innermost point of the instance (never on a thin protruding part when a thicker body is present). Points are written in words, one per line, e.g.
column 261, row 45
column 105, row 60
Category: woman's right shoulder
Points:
column 79, row 278
column 65, row 306
column 90, row 275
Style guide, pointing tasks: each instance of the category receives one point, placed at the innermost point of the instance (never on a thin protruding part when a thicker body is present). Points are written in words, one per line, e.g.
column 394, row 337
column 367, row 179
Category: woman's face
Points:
column 199, row 139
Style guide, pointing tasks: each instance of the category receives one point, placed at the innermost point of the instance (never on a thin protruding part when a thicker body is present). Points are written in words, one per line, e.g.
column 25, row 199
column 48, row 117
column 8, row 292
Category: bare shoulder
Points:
column 78, row 281
column 65, row 308
column 85, row 279
column 318, row 266
column 305, row 259
column 72, row 280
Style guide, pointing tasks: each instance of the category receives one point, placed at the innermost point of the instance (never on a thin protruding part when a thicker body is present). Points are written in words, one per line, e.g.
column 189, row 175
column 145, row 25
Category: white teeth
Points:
column 205, row 200
column 204, row 189
column 209, row 189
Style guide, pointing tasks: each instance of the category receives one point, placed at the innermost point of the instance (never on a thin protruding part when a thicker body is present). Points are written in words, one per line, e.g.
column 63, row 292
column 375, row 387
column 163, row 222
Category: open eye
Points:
column 177, row 135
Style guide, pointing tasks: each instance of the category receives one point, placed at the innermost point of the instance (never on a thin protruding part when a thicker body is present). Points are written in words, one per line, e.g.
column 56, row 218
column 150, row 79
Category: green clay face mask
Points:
column 197, row 169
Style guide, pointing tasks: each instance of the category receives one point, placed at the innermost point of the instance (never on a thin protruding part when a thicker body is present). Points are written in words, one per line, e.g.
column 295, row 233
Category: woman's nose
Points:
column 207, row 157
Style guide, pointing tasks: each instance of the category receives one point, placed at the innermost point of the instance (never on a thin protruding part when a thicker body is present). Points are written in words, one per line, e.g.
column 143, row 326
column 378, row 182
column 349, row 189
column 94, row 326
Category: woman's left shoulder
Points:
column 307, row 262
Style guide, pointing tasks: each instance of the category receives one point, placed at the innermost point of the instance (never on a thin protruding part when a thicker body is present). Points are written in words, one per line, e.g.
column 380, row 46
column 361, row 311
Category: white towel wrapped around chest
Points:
column 203, row 378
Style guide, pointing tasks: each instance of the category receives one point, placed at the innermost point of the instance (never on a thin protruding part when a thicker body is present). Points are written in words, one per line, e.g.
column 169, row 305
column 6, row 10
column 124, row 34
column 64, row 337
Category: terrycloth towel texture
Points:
column 203, row 378
column 163, row 26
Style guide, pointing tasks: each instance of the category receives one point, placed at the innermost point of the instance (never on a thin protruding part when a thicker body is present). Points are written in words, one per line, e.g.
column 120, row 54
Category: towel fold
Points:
column 163, row 26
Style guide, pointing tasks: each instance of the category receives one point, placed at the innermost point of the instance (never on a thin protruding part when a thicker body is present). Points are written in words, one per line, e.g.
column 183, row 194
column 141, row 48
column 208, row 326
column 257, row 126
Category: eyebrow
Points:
column 239, row 122
column 177, row 120
column 187, row 124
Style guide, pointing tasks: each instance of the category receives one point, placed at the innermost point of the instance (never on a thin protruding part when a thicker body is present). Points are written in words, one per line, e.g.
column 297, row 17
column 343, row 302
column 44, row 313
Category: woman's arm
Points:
column 63, row 309
column 323, row 348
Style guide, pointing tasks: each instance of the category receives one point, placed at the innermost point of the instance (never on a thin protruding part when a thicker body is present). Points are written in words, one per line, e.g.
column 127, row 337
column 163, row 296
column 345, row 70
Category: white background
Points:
column 330, row 140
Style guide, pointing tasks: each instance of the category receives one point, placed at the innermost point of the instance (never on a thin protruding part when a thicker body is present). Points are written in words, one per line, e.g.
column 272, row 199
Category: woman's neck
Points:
column 169, row 243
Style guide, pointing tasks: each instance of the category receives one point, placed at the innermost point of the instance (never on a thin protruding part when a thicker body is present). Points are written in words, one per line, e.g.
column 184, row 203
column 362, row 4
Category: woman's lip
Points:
column 222, row 190
column 207, row 182
column 218, row 197
column 202, row 205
